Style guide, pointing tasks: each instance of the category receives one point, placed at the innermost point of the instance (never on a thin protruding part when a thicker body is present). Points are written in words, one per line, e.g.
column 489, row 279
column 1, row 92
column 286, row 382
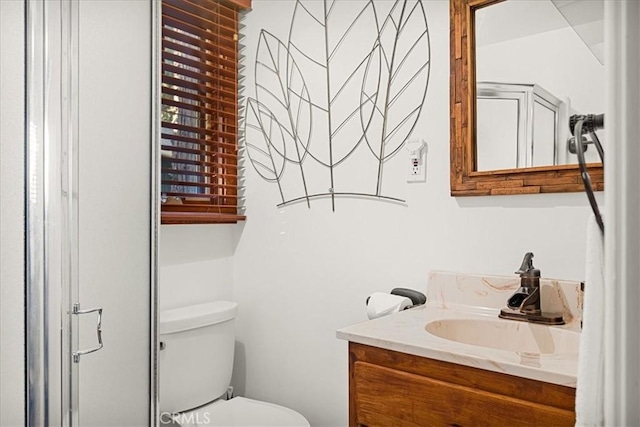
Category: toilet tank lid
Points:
column 196, row 316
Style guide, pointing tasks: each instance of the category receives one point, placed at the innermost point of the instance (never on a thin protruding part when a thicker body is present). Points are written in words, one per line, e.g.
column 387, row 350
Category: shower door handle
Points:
column 77, row 311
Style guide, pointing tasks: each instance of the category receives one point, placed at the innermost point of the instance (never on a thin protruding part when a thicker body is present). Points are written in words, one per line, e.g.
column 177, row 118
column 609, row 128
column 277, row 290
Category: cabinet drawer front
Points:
column 388, row 397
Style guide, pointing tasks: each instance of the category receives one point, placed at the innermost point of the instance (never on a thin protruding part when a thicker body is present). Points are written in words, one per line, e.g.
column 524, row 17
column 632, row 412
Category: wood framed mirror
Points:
column 510, row 110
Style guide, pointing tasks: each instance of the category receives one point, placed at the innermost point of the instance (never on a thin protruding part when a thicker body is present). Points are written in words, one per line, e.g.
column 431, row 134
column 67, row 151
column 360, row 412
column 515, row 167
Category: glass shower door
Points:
column 91, row 214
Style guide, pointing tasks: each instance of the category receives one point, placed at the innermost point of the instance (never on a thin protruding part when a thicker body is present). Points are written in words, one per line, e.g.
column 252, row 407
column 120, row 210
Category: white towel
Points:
column 590, row 384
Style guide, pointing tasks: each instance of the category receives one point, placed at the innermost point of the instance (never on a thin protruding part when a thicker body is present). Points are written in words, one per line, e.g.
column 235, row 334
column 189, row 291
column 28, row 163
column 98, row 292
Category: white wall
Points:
column 11, row 213
column 556, row 60
column 196, row 264
column 300, row 274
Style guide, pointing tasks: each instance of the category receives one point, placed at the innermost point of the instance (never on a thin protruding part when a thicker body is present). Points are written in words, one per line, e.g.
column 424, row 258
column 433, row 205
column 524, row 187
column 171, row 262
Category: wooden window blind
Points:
column 199, row 112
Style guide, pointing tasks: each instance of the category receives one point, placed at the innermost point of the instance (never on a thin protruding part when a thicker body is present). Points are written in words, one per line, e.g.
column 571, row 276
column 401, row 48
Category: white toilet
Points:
column 196, row 361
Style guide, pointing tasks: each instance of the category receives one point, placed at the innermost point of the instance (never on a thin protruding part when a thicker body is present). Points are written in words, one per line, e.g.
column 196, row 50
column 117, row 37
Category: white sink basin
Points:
column 520, row 337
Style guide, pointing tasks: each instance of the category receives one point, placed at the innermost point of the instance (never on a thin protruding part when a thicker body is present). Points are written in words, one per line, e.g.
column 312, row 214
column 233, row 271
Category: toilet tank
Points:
column 196, row 356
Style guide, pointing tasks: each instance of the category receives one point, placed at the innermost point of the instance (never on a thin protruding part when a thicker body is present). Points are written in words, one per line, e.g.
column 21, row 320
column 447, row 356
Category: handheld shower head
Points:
column 590, row 122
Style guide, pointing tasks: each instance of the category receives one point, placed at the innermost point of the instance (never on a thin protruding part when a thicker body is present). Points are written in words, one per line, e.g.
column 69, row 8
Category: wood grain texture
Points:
column 391, row 388
column 464, row 179
column 240, row 4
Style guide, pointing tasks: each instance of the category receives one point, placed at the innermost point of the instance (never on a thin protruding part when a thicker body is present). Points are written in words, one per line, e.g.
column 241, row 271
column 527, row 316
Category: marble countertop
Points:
column 405, row 332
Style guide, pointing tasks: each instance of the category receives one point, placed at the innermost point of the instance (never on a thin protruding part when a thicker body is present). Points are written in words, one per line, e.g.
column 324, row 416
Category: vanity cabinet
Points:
column 388, row 388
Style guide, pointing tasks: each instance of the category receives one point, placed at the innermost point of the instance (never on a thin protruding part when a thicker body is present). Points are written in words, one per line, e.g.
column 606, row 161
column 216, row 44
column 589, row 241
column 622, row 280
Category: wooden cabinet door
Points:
column 388, row 388
column 389, row 397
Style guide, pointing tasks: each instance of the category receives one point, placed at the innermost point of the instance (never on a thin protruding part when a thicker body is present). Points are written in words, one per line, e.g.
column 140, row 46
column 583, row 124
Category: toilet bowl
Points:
column 196, row 360
column 240, row 412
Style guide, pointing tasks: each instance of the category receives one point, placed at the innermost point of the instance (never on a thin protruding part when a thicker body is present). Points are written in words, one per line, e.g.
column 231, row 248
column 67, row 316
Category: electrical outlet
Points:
column 415, row 166
column 417, row 161
column 417, row 170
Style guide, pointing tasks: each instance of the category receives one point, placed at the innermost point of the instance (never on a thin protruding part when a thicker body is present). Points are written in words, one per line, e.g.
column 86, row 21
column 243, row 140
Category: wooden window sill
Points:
column 168, row 218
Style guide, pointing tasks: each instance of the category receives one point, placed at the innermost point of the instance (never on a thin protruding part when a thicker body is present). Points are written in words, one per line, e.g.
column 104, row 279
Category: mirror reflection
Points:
column 537, row 63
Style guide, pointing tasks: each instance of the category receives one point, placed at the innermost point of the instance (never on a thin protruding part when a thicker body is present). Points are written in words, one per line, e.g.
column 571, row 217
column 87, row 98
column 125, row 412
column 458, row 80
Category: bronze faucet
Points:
column 524, row 304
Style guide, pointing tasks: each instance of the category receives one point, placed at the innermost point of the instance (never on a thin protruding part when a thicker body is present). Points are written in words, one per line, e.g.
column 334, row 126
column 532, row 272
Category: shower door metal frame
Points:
column 51, row 213
column 156, row 97
column 48, row 192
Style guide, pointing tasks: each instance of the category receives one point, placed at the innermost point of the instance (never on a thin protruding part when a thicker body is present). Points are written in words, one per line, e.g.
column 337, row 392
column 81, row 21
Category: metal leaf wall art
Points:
column 344, row 91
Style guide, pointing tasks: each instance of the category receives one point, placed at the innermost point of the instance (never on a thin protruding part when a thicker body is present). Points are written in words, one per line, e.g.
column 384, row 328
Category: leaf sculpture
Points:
column 281, row 89
column 265, row 138
column 334, row 39
column 403, row 48
column 343, row 77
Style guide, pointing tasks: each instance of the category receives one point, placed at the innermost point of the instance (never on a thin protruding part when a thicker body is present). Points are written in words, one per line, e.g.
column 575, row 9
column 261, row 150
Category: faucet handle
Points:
column 527, row 264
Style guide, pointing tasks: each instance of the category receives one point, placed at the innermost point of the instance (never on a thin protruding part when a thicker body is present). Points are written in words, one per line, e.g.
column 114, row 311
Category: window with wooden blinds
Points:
column 199, row 112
